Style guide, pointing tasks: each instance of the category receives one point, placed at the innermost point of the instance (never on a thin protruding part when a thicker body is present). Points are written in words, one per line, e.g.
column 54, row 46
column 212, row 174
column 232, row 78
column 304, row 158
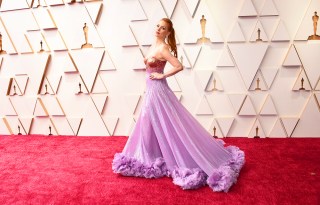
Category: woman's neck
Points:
column 159, row 41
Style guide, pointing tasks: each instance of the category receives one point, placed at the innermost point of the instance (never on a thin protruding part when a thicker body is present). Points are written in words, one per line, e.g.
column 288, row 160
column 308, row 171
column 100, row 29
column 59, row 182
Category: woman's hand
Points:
column 156, row 76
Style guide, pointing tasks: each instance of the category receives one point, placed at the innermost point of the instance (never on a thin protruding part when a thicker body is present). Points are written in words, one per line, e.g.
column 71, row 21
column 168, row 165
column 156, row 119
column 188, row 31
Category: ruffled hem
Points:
column 221, row 179
column 226, row 175
column 129, row 166
column 189, row 178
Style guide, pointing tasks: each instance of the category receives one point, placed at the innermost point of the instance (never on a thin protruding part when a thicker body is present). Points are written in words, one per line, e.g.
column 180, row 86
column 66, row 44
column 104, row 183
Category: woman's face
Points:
column 162, row 30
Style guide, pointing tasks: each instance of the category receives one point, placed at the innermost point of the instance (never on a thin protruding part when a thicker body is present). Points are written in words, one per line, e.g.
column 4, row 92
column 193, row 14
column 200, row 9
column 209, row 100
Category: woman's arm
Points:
column 177, row 66
column 145, row 61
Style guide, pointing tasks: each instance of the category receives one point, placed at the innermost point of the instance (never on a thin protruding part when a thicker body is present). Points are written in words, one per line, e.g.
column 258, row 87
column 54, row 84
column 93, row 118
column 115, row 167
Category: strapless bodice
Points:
column 155, row 66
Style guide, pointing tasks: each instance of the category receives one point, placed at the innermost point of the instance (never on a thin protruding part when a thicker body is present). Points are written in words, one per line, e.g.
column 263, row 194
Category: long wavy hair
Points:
column 171, row 38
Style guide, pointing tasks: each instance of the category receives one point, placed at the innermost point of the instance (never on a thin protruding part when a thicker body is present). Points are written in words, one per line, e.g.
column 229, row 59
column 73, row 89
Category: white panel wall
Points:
column 235, row 86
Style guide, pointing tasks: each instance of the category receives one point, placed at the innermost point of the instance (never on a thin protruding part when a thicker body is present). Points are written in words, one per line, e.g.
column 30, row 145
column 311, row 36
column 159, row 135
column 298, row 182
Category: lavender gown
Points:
column 168, row 141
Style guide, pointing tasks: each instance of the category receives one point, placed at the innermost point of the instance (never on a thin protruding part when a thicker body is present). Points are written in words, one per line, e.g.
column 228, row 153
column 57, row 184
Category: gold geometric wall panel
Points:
column 70, row 20
column 220, row 104
column 107, row 63
column 46, row 88
column 183, row 58
column 26, row 122
column 173, row 84
column 94, row 10
column 100, row 101
column 237, row 101
column 99, row 87
column 215, row 130
column 268, row 107
column 32, row 65
column 309, row 55
column 129, row 38
column 256, row 130
column 281, row 33
column 14, row 88
column 111, row 123
column 138, row 62
column 302, row 82
column 292, row 58
column 5, row 83
column 7, row 43
column 43, row 18
column 269, row 74
column 225, row 59
column 3, row 127
column 289, row 124
column 75, row 124
column 269, row 9
column 146, row 38
column 192, row 53
column 306, row 26
column 309, row 119
column 17, row 23
column 54, row 40
column 211, row 29
column 43, row 125
column 62, row 125
column 87, row 62
column 236, row 34
column 204, row 107
column 92, row 118
column 225, row 123
column 278, row 130
column 6, row 107
column 258, row 99
column 8, row 5
column 317, row 86
column 54, row 2
column 52, row 105
column 247, row 65
column 203, row 77
column 169, row 6
column 15, row 125
column 37, row 3
column 258, row 33
column 22, row 81
column 73, row 104
column 192, row 6
column 247, row 108
column 247, row 9
column 132, row 101
column 258, row 83
column 269, row 24
column 40, row 109
column 317, row 98
column 24, row 105
column 138, row 14
column 214, row 84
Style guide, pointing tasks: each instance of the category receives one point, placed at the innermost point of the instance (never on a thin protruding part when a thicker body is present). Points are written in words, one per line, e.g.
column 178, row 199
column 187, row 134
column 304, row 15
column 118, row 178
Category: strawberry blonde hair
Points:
column 171, row 38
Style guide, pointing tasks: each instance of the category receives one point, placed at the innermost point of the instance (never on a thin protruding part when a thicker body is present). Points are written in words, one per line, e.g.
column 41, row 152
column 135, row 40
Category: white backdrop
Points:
column 39, row 91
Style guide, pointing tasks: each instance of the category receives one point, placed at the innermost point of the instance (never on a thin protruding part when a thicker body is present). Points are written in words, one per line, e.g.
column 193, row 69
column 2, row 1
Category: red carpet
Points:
column 77, row 170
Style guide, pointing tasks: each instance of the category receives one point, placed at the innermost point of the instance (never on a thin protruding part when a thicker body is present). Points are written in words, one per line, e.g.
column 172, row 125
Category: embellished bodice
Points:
column 155, row 65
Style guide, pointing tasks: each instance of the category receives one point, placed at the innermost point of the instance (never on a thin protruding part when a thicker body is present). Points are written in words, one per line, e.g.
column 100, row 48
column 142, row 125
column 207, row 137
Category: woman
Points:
column 167, row 140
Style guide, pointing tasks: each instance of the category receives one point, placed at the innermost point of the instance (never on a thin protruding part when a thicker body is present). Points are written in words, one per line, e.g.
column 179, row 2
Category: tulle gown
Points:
column 168, row 141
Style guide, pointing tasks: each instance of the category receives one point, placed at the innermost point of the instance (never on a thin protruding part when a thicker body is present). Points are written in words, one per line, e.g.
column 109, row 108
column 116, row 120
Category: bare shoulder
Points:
column 165, row 50
column 165, row 47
